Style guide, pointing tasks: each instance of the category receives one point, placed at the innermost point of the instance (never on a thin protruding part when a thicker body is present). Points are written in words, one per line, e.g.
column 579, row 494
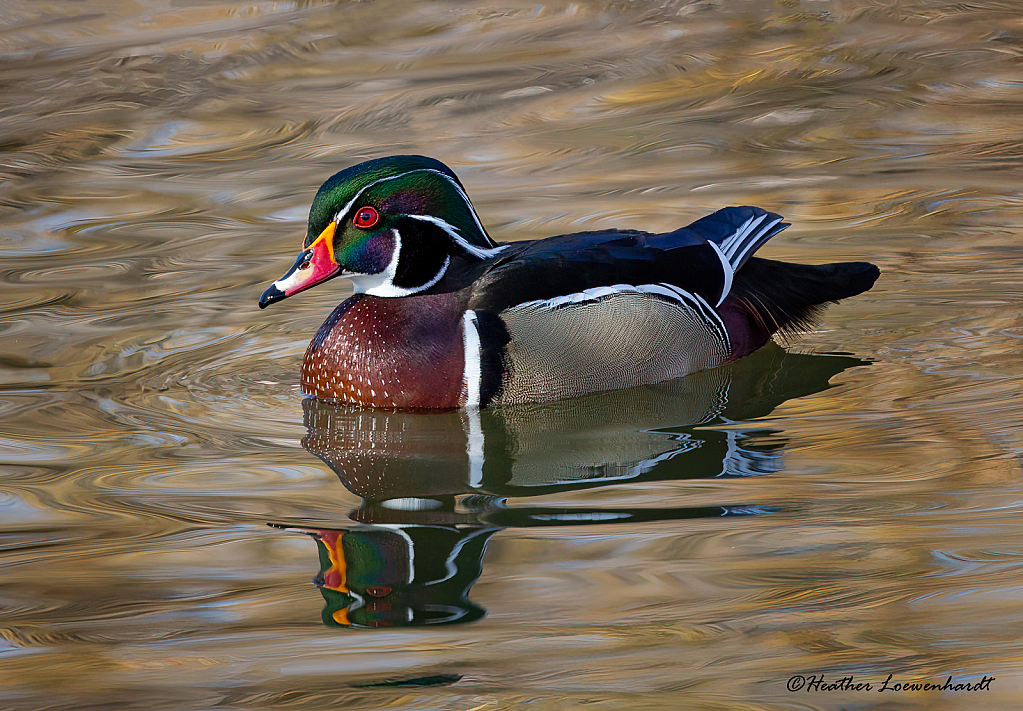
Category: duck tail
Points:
column 785, row 297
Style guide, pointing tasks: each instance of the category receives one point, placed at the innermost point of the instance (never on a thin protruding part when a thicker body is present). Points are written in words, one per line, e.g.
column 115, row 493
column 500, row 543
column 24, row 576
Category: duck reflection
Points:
column 434, row 485
column 403, row 575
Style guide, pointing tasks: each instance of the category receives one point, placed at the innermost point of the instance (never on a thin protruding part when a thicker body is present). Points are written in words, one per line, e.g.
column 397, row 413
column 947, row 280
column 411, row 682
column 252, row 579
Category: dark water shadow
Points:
column 435, row 485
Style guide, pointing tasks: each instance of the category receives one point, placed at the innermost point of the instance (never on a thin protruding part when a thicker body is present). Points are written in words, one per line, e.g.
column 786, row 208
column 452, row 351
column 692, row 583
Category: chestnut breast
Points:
column 389, row 352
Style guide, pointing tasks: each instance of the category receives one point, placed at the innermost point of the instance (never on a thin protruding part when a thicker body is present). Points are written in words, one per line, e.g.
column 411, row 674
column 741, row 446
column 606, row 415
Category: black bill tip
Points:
column 270, row 296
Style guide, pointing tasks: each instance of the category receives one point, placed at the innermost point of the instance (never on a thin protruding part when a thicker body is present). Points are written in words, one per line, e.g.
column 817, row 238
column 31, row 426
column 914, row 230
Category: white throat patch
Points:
column 382, row 283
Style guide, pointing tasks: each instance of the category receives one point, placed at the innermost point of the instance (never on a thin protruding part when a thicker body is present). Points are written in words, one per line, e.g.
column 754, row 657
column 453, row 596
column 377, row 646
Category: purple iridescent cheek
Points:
column 369, row 255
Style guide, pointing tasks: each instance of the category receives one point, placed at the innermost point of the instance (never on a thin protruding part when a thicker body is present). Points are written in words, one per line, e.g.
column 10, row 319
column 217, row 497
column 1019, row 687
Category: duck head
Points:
column 391, row 225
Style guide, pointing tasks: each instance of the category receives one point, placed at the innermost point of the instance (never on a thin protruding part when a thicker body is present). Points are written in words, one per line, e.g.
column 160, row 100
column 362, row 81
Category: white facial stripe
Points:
column 382, row 283
column 458, row 189
column 738, row 245
column 340, row 215
column 452, row 232
column 450, row 568
column 343, row 212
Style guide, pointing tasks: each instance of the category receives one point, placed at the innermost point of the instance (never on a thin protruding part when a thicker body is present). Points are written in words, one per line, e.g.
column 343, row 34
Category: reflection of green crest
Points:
column 404, row 577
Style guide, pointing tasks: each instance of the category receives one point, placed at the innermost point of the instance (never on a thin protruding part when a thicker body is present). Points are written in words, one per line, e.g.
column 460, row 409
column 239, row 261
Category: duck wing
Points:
column 700, row 259
column 597, row 311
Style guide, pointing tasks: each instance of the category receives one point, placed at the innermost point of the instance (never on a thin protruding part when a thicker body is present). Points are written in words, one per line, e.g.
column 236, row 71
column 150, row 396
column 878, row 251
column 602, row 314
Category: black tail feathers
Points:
column 789, row 297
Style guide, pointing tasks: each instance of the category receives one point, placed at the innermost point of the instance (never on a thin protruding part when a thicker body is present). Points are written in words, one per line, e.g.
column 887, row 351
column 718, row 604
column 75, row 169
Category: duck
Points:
column 442, row 317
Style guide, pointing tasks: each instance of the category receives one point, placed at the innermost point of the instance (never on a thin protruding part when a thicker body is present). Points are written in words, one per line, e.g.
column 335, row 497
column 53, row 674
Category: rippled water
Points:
column 694, row 545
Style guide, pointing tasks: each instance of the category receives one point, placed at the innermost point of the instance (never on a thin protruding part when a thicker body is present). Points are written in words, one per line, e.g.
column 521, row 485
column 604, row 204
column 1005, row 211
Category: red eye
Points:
column 365, row 217
column 378, row 591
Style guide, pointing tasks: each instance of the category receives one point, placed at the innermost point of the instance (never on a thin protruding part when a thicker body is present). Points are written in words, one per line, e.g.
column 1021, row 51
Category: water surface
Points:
column 692, row 546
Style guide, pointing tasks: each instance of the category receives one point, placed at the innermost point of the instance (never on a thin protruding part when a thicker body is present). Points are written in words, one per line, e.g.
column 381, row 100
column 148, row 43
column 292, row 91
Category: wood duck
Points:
column 443, row 317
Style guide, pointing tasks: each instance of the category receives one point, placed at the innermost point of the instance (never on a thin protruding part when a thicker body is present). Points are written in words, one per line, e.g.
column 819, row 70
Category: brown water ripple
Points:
column 142, row 466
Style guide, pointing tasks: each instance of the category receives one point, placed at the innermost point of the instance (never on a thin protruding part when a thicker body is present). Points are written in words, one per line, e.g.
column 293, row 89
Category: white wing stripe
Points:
column 698, row 303
column 727, row 269
column 736, row 241
column 592, row 294
column 752, row 242
column 693, row 301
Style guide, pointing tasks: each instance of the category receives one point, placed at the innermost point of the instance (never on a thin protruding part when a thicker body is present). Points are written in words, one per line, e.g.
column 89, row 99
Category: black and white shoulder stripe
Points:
column 692, row 302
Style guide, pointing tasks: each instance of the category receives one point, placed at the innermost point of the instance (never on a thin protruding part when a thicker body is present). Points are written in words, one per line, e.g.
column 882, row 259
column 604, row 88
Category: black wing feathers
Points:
column 571, row 263
column 780, row 295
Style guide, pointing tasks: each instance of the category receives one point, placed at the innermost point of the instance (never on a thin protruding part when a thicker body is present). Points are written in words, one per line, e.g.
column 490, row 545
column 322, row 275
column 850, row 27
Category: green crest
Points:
column 414, row 186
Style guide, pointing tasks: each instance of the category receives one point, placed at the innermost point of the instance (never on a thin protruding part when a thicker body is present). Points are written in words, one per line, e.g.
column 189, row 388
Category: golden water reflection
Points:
column 435, row 486
column 157, row 161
